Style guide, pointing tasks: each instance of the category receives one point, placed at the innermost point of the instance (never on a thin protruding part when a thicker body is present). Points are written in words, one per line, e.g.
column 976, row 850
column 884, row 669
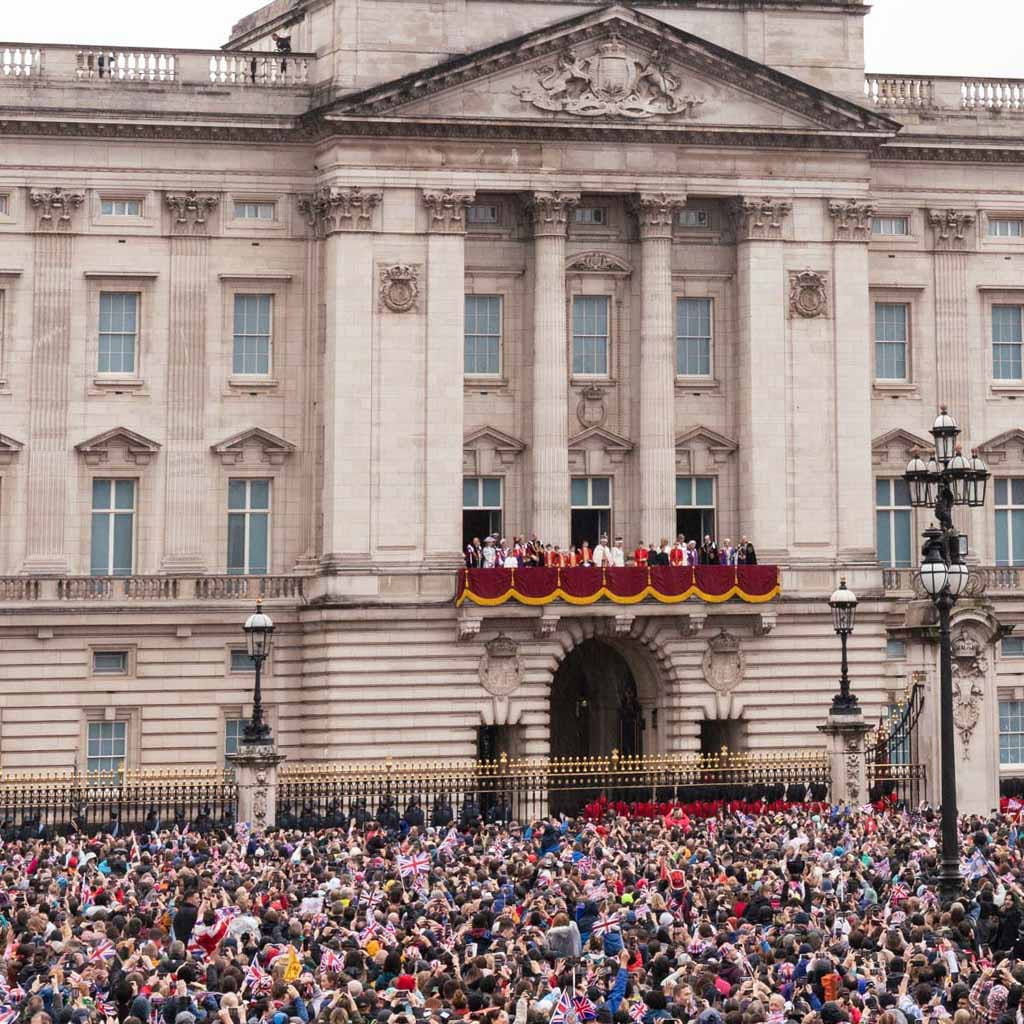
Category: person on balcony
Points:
column 640, row 555
column 677, row 553
column 488, row 554
column 602, row 553
column 618, row 554
column 746, row 555
column 473, row 554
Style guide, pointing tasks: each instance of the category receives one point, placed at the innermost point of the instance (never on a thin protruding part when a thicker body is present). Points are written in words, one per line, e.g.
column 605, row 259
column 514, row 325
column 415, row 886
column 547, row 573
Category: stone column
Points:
column 854, row 318
column 549, row 213
column 256, row 777
column 656, row 216
column 443, row 395
column 846, row 752
column 347, row 222
column 48, row 443
column 187, row 492
column 761, row 376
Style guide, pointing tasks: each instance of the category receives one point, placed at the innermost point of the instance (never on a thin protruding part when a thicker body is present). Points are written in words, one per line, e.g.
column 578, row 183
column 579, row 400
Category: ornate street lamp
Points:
column 259, row 636
column 946, row 480
column 843, row 603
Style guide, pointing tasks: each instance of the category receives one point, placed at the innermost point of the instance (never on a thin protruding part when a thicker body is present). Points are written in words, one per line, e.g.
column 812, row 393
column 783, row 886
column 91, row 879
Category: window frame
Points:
column 1003, row 653
column 115, row 724
column 133, row 373
column 483, row 224
column 5, row 204
column 879, row 219
column 601, row 209
column 142, row 284
column 1012, row 765
column 246, row 226
column 890, row 641
column 258, row 205
column 113, row 200
column 1008, row 508
column 242, row 375
column 991, row 220
column 889, row 510
column 997, row 381
column 122, row 653
column 479, row 375
column 907, row 346
column 277, row 287
column 700, row 377
column 227, row 721
column 609, row 300
column 248, row 512
column 680, row 223
column 590, row 478
column 111, row 512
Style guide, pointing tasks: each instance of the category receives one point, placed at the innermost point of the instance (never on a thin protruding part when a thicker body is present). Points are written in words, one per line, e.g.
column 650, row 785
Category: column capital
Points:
column 190, row 210
column 329, row 210
column 656, row 211
column 950, row 227
column 55, row 207
column 549, row 212
column 447, row 209
column 760, row 218
column 851, row 219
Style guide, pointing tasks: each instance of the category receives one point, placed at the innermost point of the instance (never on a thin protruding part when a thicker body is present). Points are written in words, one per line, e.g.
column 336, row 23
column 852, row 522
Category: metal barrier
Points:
column 893, row 756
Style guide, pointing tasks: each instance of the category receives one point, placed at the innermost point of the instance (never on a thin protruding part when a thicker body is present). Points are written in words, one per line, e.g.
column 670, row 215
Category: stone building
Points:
column 291, row 321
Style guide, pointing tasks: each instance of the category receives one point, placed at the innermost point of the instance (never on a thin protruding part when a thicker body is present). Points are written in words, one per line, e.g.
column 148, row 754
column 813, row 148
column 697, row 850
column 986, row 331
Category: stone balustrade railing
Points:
column 941, row 93
column 989, row 579
column 117, row 65
column 129, row 589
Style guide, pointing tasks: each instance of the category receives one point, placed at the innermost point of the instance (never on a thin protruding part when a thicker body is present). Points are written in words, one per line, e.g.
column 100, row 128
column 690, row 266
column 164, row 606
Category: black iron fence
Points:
column 894, row 766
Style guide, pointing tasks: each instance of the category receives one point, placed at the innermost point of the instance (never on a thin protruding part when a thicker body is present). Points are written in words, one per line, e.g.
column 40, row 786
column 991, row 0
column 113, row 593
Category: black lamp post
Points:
column 947, row 479
column 843, row 603
column 259, row 636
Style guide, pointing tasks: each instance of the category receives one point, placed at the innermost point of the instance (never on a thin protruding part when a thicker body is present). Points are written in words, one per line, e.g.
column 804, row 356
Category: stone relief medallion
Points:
column 969, row 667
column 723, row 662
column 596, row 261
column 591, row 410
column 501, row 668
column 808, row 294
column 399, row 287
column 611, row 82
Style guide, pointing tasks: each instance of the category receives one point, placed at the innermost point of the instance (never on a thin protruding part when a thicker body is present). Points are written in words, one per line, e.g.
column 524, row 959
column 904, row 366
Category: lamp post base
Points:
column 256, row 778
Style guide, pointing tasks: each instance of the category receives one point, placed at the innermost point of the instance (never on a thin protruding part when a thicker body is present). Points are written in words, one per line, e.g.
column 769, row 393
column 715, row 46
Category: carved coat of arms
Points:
column 969, row 668
column 611, row 83
column 501, row 668
column 722, row 664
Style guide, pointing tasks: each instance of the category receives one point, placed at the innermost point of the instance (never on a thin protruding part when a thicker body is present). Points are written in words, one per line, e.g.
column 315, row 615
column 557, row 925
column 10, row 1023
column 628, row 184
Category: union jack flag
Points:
column 413, row 865
column 585, row 1009
column 258, row 979
column 103, row 950
column 8, row 1015
column 368, row 932
column 450, row 841
column 226, row 913
column 330, row 962
column 584, row 864
column 898, row 893
column 638, row 1011
column 564, row 1011
column 606, row 923
column 196, row 950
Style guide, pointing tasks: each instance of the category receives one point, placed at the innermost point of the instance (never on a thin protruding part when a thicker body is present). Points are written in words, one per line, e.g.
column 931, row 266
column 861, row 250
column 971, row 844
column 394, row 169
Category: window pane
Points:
column 236, row 493
column 1006, row 342
column 259, row 494
column 705, row 491
column 252, row 334
column 882, row 493
column 684, row 491
column 1017, row 490
column 113, row 662
column 492, row 492
column 470, row 492
column 590, row 334
column 123, row 545
column 1001, row 486
column 1017, row 536
column 241, row 661
column 259, row 523
column 1002, row 537
column 883, row 539
column 124, row 494
column 101, row 494
column 99, row 561
column 693, row 337
column 580, row 492
column 1013, row 647
column 900, row 492
column 236, row 543
column 600, row 490
column 895, row 648
column 901, row 539
column 482, row 334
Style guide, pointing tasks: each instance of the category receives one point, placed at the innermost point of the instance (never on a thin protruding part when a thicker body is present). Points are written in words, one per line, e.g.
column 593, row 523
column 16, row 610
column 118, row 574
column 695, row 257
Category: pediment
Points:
column 710, row 439
column 896, row 446
column 599, row 439
column 491, row 437
column 118, row 445
column 9, row 449
column 1005, row 447
column 613, row 67
column 254, row 445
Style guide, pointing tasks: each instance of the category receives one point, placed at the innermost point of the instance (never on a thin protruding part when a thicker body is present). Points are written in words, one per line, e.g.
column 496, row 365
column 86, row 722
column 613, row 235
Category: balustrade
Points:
column 20, row 61
column 992, row 94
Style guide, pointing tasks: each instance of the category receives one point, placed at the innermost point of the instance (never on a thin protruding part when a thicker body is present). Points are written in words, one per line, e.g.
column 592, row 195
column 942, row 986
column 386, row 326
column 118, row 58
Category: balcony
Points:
column 112, row 590
column 945, row 94
column 990, row 581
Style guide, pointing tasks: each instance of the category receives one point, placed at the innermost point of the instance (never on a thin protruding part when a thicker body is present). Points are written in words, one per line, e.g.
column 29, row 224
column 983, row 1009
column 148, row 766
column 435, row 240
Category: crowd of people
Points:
column 497, row 553
column 815, row 915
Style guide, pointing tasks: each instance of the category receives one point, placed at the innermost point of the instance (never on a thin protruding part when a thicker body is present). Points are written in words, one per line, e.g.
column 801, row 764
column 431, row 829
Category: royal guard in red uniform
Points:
column 586, row 555
column 640, row 555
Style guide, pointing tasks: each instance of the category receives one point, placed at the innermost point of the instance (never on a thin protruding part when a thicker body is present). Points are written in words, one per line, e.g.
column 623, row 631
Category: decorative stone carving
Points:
column 190, row 209
column 854, row 756
column 329, row 210
column 969, row 667
column 597, row 262
column 723, row 662
column 808, row 294
column 469, row 626
column 549, row 211
column 690, row 625
column 546, row 625
column 851, row 220
column 591, row 410
column 55, row 201
column 9, row 449
column 950, row 227
column 623, row 624
column 448, row 210
column 760, row 218
column 501, row 667
column 764, row 623
column 656, row 213
column 136, row 449
column 399, row 287
column 267, row 448
column 612, row 82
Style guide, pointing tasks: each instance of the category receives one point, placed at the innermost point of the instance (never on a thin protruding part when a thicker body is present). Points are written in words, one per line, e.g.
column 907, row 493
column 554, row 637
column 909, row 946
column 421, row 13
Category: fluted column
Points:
column 48, row 443
column 549, row 212
column 187, row 492
column 655, row 215
column 443, row 393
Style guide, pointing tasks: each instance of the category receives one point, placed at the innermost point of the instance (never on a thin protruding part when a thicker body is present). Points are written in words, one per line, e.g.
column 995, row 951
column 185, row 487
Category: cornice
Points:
column 952, row 154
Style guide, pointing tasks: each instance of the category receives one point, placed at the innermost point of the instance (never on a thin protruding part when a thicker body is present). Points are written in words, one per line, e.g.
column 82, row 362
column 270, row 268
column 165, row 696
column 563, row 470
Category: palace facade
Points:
column 301, row 316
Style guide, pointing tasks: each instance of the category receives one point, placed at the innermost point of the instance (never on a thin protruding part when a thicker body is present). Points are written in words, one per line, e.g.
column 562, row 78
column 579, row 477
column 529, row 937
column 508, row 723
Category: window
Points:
column 895, row 649
column 590, row 335
column 112, row 663
column 241, row 661
column 481, row 213
column 1006, row 342
column 1005, row 227
column 890, row 341
column 692, row 218
column 248, row 527
column 113, row 527
column 1009, row 502
column 695, row 508
column 255, row 211
column 119, row 316
column 252, row 334
column 890, row 225
column 482, row 350
column 121, row 207
column 590, row 215
column 591, row 508
column 481, row 507
column 892, row 521
column 1011, row 732
column 234, row 728
column 5, row 204
column 106, row 743
column 1012, row 646
column 693, row 337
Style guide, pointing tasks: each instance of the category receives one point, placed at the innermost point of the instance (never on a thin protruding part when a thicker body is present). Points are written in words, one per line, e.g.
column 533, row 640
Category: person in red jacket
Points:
column 640, row 555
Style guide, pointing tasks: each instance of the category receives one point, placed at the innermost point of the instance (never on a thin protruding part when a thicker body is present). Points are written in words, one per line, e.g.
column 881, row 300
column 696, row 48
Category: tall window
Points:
column 106, row 744
column 890, row 341
column 590, row 335
column 119, row 325
column 693, row 337
column 1009, row 502
column 1006, row 342
column 121, row 207
column 591, row 508
column 113, row 527
column 252, row 334
column 890, row 225
column 892, row 522
column 248, row 527
column 481, row 507
column 1011, row 732
column 1005, row 227
column 695, row 508
column 233, row 730
column 254, row 211
column 482, row 348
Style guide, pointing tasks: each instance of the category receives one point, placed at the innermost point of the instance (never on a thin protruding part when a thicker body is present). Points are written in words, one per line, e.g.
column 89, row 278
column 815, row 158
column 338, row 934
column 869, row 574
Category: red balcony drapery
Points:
column 667, row 584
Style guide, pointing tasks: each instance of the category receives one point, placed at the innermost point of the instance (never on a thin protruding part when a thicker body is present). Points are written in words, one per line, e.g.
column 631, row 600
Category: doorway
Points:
column 695, row 523
column 589, row 524
column 716, row 733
